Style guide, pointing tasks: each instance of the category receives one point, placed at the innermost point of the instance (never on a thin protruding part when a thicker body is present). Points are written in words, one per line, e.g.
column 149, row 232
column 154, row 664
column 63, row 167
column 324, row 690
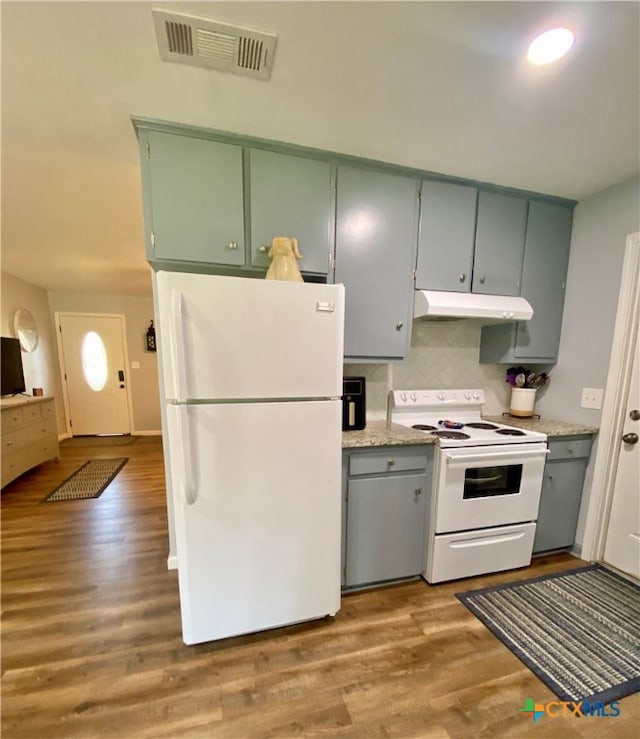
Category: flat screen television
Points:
column 12, row 376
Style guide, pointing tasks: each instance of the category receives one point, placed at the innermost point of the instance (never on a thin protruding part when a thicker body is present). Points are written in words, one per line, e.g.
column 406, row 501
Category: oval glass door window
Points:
column 94, row 361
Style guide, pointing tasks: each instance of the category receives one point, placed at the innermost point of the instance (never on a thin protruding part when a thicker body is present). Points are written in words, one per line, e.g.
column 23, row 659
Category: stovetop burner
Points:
column 488, row 426
column 511, row 432
column 451, row 435
column 423, row 427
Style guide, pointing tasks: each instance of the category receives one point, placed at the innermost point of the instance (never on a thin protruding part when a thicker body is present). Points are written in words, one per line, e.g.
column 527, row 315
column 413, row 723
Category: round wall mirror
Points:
column 25, row 329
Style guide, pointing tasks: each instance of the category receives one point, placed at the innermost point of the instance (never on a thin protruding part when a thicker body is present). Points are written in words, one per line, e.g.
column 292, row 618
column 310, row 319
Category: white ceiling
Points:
column 440, row 86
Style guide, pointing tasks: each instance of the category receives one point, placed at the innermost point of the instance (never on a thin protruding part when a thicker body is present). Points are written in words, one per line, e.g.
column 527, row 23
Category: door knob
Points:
column 630, row 438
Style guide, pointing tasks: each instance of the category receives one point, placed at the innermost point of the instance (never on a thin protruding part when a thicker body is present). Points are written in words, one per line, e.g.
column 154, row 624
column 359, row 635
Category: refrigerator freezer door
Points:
column 258, row 514
column 226, row 338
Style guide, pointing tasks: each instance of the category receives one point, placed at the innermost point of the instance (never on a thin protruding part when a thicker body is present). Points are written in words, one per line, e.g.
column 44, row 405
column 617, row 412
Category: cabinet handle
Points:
column 9, row 443
column 463, row 277
column 482, row 279
column 550, row 477
column 391, row 462
column 264, row 248
column 417, row 492
column 634, row 415
column 399, row 326
column 233, row 245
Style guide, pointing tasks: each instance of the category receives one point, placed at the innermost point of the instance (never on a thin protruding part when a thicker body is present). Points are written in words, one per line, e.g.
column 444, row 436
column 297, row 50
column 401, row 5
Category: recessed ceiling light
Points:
column 550, row 45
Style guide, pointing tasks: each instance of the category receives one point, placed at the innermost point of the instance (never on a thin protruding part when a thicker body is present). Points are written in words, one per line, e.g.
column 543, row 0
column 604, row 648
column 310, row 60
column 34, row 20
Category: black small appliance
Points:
column 354, row 406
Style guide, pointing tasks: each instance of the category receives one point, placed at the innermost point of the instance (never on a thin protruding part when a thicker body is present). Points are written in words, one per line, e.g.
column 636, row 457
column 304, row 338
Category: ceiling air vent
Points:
column 201, row 42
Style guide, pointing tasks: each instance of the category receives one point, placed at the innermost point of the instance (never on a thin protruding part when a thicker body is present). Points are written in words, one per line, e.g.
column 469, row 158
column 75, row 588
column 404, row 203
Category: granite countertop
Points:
column 545, row 425
column 376, row 433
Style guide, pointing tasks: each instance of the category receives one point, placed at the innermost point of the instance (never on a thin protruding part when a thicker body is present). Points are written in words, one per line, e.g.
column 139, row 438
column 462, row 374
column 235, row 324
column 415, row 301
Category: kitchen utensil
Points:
column 451, row 424
column 520, row 380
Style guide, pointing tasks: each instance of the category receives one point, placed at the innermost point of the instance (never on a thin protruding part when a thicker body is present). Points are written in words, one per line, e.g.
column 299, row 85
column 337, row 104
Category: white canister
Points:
column 522, row 401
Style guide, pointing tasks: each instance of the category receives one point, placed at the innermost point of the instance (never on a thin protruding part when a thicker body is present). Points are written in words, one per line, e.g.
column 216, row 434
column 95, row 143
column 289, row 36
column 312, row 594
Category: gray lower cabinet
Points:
column 194, row 201
column 376, row 242
column 291, row 196
column 385, row 515
column 561, row 492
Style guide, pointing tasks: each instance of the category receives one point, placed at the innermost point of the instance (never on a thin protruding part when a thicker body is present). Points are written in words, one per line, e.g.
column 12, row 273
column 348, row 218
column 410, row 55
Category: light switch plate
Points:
column 591, row 397
column 135, row 365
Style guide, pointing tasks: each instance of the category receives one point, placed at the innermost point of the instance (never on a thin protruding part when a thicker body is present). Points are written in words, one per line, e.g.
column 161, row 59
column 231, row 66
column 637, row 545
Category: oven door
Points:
column 488, row 486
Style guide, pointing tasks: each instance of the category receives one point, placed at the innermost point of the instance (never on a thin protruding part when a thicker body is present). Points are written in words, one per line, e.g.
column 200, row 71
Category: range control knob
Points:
column 467, row 396
column 440, row 396
column 476, row 396
column 403, row 396
column 414, row 397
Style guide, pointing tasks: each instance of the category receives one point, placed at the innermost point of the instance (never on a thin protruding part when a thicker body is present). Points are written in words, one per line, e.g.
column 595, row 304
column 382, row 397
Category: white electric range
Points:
column 486, row 483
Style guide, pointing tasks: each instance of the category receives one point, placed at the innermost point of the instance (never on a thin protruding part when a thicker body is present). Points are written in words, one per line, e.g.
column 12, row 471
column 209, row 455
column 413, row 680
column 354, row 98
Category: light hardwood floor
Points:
column 91, row 642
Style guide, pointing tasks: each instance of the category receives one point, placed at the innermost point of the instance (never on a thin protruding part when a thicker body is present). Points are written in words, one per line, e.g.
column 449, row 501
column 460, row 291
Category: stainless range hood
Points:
column 493, row 308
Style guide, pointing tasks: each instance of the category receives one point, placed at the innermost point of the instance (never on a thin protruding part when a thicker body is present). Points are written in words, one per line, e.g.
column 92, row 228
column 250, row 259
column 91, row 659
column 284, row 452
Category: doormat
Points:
column 83, row 441
column 88, row 481
column 578, row 630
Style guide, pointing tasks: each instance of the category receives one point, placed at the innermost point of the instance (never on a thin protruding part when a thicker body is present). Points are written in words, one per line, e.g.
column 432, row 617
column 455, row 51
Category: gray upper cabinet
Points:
column 544, row 273
column 291, row 196
column 447, row 236
column 194, row 199
column 499, row 246
column 546, row 259
column 376, row 241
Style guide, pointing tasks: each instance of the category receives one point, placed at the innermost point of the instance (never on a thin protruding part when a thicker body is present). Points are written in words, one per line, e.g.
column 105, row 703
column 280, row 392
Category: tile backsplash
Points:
column 444, row 354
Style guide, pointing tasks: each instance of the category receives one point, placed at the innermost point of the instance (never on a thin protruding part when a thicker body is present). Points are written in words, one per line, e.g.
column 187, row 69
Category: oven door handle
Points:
column 464, row 458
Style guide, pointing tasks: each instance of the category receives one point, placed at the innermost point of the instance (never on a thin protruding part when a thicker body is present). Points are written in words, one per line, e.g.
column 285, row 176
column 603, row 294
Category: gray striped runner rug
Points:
column 578, row 631
column 88, row 481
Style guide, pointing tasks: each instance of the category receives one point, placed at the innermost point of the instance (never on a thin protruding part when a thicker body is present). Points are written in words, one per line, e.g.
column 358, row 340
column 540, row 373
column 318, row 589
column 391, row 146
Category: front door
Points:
column 622, row 546
column 95, row 374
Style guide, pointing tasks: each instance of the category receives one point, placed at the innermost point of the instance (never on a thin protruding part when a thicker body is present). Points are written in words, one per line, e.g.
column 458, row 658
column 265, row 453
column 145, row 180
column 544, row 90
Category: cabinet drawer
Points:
column 48, row 409
column 13, row 464
column 569, row 449
column 44, row 429
column 32, row 412
column 12, row 441
column 12, row 418
column 393, row 460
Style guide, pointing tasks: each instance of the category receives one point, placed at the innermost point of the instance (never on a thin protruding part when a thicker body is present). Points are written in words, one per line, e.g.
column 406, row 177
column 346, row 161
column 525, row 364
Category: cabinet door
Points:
column 376, row 241
column 497, row 266
column 386, row 518
column 447, row 235
column 195, row 199
column 291, row 196
column 546, row 257
column 559, row 504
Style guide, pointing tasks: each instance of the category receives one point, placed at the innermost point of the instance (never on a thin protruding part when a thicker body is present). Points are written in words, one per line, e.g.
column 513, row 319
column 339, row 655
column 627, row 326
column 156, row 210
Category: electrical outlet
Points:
column 591, row 397
column 135, row 365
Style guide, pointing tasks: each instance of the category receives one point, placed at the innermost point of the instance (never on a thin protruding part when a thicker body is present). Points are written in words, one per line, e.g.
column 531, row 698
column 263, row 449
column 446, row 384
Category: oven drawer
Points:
column 470, row 553
column 392, row 460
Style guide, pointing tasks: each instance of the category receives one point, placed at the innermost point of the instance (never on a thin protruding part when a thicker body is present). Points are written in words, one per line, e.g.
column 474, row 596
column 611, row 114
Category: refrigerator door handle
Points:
column 178, row 346
column 188, row 489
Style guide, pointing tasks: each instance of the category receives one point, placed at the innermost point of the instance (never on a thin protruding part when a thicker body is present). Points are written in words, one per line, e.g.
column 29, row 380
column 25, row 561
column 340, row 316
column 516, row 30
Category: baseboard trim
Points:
column 172, row 562
column 61, row 437
column 146, row 433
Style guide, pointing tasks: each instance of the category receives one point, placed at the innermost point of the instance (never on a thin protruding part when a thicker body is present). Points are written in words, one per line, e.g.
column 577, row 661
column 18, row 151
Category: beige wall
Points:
column 41, row 365
column 137, row 312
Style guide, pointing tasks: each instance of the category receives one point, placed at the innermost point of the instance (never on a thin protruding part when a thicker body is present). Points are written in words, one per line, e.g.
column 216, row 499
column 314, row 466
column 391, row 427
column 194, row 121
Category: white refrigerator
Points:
column 252, row 378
